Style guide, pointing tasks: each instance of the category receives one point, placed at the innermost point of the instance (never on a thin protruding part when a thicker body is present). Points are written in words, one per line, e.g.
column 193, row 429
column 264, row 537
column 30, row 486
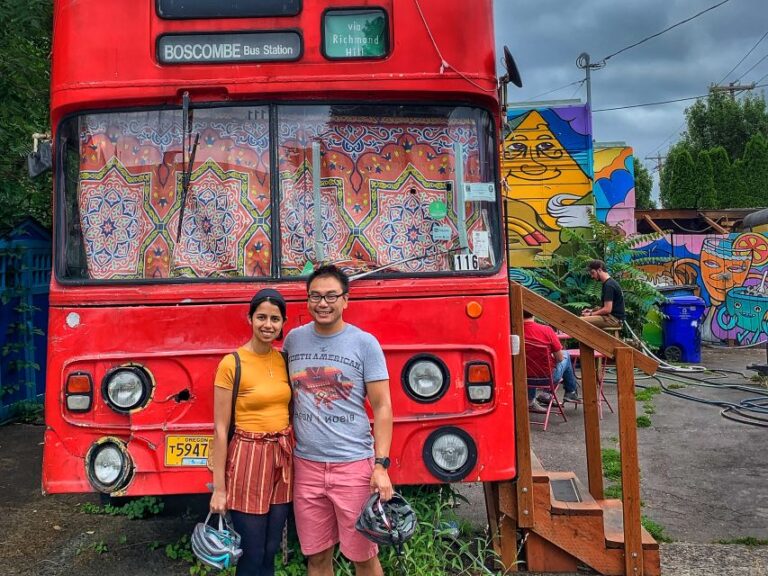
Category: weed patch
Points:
column 442, row 544
column 746, row 541
column 611, row 464
column 643, row 421
column 655, row 529
column 134, row 509
column 647, row 393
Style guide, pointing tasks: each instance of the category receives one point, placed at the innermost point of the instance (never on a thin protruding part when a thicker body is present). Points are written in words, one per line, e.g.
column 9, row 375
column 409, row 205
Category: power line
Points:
column 665, row 30
column 677, row 131
column 662, row 102
column 744, row 58
column 752, row 68
column 557, row 89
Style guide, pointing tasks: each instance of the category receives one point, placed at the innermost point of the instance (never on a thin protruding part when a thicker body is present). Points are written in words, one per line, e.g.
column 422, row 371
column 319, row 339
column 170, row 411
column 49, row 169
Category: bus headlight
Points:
column 449, row 453
column 425, row 378
column 127, row 388
column 108, row 465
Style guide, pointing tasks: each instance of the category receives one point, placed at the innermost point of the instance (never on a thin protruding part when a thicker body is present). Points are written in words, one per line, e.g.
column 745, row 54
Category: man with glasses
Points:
column 334, row 367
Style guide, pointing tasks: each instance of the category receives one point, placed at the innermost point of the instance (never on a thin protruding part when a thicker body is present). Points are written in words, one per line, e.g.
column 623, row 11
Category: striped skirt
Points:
column 259, row 470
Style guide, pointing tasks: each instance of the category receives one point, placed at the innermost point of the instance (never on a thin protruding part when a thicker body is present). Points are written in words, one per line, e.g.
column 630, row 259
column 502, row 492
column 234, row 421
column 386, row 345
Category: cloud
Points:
column 547, row 36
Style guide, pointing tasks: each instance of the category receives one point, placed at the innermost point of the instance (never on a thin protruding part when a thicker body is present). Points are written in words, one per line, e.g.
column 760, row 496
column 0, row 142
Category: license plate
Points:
column 187, row 450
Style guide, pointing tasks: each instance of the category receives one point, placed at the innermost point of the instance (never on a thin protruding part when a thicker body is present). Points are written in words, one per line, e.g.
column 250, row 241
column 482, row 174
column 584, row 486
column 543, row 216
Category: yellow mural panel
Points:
column 546, row 190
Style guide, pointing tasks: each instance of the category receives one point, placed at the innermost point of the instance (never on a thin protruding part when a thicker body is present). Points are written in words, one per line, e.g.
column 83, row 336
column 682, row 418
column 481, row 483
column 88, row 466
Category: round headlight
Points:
column 108, row 466
column 425, row 378
column 127, row 388
column 450, row 453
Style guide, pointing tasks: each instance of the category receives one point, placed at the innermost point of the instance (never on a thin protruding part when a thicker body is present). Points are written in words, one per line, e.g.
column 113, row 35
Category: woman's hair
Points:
column 273, row 297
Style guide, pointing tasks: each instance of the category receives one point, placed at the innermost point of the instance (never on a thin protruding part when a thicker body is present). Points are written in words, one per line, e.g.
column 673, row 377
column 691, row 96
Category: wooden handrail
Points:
column 590, row 339
column 584, row 332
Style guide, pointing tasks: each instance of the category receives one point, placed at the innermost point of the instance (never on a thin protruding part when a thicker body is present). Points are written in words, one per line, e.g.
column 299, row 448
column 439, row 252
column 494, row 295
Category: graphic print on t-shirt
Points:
column 324, row 383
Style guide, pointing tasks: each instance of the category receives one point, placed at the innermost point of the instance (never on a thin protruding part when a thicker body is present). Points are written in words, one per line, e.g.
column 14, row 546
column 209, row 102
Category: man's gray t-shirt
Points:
column 328, row 377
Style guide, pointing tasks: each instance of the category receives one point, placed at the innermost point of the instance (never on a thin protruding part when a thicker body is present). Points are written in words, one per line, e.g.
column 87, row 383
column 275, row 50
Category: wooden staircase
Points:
column 565, row 524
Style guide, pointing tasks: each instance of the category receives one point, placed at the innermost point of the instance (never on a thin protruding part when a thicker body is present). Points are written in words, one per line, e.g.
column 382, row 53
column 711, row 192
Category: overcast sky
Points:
column 546, row 37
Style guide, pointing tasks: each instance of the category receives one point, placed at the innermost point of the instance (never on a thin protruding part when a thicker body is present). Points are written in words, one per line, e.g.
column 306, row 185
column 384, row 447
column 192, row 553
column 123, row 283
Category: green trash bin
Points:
column 652, row 332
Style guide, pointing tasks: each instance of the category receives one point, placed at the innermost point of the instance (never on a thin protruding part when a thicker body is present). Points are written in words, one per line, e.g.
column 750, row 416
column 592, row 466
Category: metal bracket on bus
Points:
column 40, row 159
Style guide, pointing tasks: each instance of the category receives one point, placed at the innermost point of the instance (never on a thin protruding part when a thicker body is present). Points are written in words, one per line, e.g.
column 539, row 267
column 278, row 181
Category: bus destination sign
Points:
column 355, row 34
column 229, row 47
column 185, row 9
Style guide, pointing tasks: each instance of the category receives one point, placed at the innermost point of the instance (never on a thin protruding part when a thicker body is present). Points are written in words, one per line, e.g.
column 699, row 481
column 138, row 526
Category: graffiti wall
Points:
column 730, row 272
column 547, row 176
column 614, row 188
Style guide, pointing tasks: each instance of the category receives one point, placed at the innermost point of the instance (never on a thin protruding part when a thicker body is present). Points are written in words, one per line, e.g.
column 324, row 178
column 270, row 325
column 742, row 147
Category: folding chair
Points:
column 602, row 361
column 539, row 366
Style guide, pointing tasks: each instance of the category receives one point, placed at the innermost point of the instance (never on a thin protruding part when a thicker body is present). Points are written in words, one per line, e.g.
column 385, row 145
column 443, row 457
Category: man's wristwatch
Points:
column 384, row 462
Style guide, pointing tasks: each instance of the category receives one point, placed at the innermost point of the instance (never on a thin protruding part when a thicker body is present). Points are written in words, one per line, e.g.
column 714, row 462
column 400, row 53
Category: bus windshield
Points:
column 276, row 189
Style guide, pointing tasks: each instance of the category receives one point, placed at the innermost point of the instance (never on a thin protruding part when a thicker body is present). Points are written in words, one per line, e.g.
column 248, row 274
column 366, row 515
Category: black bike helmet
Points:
column 218, row 548
column 388, row 523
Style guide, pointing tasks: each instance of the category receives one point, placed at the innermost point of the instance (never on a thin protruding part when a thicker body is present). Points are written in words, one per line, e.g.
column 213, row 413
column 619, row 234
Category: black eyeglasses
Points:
column 330, row 298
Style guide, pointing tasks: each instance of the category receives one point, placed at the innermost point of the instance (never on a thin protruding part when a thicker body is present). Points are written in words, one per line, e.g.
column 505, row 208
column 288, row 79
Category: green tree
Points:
column 720, row 120
column 705, row 182
column 643, row 186
column 753, row 172
column 665, row 178
column 25, row 45
column 722, row 174
column 682, row 186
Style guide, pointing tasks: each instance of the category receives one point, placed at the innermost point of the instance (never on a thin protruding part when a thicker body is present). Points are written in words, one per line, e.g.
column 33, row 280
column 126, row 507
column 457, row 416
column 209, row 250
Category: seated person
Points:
column 544, row 335
column 611, row 313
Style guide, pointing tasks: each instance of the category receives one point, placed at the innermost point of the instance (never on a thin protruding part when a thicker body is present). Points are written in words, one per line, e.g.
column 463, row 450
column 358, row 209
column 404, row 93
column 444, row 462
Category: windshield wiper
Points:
column 186, row 169
column 461, row 207
column 317, row 199
column 429, row 252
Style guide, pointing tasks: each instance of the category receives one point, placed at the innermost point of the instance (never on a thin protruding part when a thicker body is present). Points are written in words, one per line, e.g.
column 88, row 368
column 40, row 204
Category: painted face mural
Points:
column 533, row 156
column 723, row 267
column 745, row 308
column 730, row 272
column 545, row 170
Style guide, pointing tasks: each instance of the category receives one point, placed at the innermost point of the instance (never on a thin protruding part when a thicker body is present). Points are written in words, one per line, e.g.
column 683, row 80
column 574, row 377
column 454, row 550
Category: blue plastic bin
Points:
column 682, row 329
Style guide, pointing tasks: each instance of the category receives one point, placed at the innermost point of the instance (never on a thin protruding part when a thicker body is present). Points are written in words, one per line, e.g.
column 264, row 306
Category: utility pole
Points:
column 587, row 65
column 732, row 88
column 659, row 161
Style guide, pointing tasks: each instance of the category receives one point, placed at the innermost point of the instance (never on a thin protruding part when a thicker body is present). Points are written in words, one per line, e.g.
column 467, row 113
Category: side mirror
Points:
column 512, row 75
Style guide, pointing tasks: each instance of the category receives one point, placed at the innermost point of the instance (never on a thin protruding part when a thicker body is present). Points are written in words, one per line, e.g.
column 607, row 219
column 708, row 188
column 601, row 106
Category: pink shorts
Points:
column 327, row 499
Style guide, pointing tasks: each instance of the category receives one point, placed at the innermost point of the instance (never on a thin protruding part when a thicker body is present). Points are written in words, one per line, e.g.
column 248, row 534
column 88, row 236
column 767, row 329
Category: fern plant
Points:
column 567, row 278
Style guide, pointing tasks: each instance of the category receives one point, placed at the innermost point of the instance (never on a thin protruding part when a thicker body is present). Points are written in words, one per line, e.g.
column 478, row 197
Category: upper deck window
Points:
column 186, row 9
column 398, row 189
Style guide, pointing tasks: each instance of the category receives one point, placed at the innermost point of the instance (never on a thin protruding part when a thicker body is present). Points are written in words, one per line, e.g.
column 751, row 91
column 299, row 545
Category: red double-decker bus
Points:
column 207, row 148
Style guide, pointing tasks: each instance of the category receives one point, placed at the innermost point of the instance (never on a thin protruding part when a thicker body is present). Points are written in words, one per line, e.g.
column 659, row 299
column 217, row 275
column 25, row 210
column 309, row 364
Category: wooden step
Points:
column 585, row 504
column 613, row 523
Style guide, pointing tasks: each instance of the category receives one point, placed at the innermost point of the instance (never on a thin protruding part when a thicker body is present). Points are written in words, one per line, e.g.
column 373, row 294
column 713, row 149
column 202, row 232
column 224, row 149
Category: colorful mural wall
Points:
column 730, row 272
column 547, row 176
column 614, row 188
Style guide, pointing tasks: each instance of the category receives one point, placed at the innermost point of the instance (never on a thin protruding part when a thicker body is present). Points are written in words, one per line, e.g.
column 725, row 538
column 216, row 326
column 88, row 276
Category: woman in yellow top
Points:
column 252, row 473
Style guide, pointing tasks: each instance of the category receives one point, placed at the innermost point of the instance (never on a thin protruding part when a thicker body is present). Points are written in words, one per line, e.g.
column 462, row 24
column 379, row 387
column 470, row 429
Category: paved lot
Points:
column 703, row 478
